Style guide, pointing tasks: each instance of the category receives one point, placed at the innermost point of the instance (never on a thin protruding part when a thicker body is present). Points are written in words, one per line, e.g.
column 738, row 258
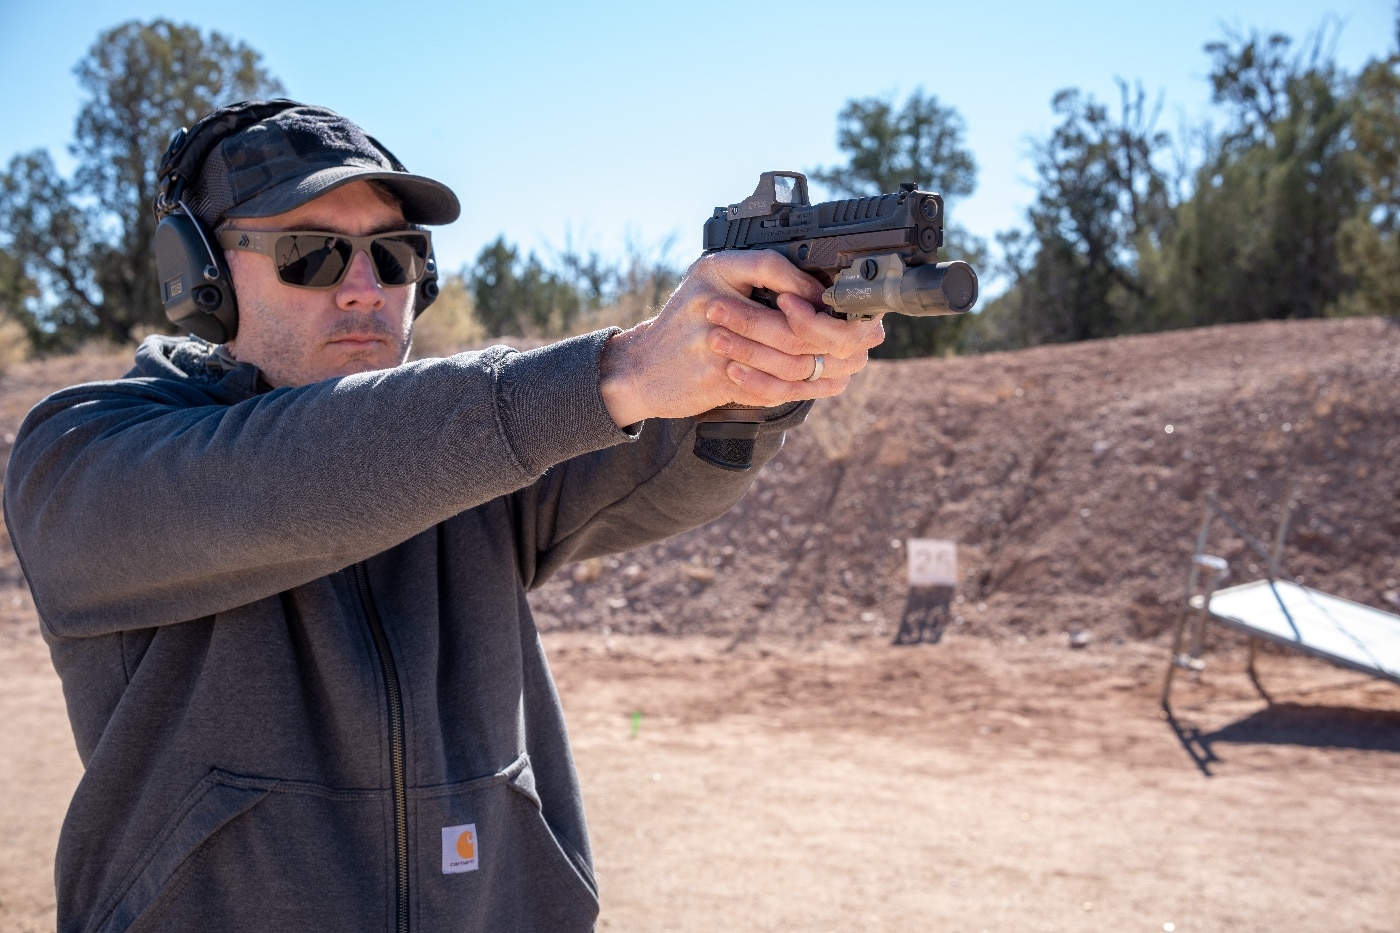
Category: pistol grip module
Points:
column 725, row 436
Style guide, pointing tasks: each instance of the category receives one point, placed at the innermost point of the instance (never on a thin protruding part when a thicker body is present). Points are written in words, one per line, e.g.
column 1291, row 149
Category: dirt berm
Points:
column 1072, row 479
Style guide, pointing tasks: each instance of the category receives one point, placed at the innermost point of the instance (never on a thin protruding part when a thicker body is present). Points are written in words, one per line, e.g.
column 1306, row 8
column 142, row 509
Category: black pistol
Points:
column 874, row 255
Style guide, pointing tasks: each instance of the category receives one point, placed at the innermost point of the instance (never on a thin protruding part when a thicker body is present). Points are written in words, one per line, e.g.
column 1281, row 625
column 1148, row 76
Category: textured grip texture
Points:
column 726, row 444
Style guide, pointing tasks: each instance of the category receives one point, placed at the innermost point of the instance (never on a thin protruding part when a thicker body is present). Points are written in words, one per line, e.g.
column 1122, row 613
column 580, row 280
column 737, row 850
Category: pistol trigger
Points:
column 765, row 296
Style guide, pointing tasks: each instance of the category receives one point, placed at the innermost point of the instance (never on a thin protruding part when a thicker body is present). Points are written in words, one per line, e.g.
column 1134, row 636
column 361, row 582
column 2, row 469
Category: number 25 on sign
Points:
column 932, row 562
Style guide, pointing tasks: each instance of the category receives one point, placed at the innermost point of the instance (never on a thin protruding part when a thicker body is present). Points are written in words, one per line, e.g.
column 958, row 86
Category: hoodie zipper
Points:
column 396, row 745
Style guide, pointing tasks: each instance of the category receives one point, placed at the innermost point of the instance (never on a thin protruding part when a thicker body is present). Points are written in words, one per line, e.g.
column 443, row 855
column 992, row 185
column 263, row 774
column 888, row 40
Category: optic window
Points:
column 784, row 186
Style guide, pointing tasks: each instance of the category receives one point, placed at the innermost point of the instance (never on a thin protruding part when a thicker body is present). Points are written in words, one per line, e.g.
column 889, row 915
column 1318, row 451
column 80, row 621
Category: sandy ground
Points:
column 974, row 784
column 981, row 786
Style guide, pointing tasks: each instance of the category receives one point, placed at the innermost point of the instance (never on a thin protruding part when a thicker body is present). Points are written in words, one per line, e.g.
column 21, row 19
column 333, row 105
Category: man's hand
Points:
column 711, row 344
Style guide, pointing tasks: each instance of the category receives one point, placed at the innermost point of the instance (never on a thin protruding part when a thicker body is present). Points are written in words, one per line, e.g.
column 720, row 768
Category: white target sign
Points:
column 932, row 562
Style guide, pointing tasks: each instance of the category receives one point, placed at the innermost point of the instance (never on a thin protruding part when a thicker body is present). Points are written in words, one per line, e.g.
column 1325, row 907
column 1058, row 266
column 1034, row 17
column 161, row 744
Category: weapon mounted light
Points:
column 883, row 283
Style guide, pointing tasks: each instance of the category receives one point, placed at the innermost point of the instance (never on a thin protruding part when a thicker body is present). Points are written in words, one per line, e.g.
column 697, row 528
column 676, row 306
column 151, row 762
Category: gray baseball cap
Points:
column 300, row 153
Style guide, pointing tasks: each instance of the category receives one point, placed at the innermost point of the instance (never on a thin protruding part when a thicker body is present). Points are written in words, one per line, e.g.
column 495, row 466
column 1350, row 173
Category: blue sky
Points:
column 594, row 122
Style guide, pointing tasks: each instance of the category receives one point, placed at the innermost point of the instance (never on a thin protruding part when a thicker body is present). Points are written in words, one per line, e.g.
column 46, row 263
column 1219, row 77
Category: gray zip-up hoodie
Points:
column 294, row 642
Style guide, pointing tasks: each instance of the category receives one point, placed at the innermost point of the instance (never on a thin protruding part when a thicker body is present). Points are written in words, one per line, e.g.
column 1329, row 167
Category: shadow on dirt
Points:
column 925, row 615
column 1295, row 724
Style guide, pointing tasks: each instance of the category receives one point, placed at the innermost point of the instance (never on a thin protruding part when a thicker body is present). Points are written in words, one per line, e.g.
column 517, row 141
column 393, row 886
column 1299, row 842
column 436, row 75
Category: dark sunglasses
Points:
column 320, row 258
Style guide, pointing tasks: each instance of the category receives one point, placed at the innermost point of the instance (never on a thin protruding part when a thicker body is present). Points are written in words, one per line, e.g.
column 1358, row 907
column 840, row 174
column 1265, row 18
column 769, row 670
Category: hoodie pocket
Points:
column 261, row 854
column 486, row 858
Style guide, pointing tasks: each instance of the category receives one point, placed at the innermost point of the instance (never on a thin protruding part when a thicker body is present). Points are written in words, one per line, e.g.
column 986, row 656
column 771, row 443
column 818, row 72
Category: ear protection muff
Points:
column 195, row 286
column 427, row 291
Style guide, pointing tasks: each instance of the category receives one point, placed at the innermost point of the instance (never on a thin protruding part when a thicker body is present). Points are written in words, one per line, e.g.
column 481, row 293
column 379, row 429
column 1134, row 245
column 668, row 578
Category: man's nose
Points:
column 360, row 289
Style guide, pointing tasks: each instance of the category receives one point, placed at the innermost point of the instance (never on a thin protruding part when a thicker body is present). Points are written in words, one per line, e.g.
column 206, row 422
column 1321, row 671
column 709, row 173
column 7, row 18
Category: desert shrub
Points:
column 450, row 325
column 14, row 342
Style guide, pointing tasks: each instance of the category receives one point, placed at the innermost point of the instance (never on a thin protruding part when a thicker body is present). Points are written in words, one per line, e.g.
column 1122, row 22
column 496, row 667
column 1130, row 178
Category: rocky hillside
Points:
column 1073, row 479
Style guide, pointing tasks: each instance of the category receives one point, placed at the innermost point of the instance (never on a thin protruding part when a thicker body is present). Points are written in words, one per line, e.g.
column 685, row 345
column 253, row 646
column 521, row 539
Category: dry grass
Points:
column 14, row 342
column 450, row 325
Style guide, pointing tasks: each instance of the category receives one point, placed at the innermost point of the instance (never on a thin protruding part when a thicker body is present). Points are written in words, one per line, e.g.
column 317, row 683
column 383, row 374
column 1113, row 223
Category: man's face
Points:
column 297, row 336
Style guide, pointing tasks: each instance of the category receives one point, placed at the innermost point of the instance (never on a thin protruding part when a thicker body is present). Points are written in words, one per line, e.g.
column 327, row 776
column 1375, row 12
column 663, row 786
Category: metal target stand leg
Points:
column 1216, row 571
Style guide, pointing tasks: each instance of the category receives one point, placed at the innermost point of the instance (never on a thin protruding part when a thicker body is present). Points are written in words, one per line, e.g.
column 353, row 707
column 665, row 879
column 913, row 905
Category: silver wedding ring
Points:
column 818, row 364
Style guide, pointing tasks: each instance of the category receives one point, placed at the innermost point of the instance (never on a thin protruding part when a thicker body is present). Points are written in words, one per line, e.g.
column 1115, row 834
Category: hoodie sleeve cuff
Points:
column 549, row 404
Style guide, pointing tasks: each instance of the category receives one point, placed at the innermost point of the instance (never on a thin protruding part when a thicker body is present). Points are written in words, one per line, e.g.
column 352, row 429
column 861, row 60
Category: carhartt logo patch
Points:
column 459, row 848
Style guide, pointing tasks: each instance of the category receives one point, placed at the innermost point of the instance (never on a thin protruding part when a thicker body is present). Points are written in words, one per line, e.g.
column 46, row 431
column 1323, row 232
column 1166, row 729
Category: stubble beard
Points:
column 287, row 357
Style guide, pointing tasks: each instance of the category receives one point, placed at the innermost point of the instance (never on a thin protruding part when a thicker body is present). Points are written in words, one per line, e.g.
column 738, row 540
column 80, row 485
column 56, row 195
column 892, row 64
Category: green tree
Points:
column 1103, row 199
column 547, row 303
column 520, row 297
column 922, row 142
column 87, row 243
column 15, row 287
column 1369, row 240
column 592, row 276
column 1259, row 237
column 492, row 279
column 54, row 252
column 527, row 297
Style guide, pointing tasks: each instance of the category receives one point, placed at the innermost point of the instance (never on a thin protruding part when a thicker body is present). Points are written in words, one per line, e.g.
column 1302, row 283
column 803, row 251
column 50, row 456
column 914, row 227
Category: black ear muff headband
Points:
column 195, row 286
